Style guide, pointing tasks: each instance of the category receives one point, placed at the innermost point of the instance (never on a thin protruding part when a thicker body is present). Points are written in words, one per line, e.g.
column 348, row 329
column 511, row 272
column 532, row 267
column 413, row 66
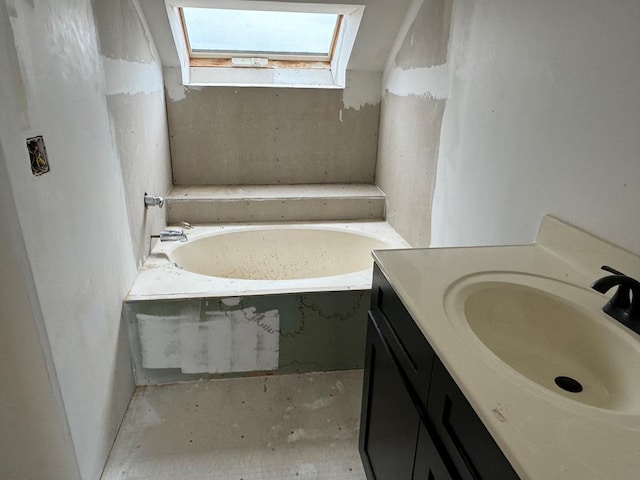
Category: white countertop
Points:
column 545, row 436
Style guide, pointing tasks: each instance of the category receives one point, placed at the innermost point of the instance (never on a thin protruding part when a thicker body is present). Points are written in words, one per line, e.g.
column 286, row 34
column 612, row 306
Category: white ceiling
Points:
column 378, row 30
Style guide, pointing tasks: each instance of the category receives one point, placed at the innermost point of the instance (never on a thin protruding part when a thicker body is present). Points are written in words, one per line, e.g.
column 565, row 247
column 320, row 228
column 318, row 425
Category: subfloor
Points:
column 280, row 427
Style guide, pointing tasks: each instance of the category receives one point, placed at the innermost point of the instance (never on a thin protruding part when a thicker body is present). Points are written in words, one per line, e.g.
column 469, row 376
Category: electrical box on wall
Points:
column 37, row 155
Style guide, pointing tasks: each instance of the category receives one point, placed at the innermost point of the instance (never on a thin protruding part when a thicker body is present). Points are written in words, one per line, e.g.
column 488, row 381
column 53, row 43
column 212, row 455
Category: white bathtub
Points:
column 226, row 261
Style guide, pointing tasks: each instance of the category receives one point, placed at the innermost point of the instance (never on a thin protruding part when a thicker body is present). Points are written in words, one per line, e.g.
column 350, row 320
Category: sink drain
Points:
column 569, row 384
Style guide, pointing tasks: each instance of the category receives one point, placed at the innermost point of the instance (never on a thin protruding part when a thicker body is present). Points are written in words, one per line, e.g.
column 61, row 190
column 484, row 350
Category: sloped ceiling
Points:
column 378, row 30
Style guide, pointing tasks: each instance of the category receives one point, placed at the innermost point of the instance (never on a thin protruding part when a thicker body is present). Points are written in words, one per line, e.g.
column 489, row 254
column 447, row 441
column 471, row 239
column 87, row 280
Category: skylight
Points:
column 220, row 32
column 263, row 43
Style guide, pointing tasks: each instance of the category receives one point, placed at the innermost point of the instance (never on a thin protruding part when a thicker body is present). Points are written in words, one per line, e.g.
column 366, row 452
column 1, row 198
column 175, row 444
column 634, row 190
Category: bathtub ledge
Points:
column 160, row 279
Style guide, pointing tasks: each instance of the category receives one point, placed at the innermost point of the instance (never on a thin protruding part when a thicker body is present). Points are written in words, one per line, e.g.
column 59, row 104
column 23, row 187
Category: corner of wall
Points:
column 415, row 90
column 137, row 111
column 33, row 449
column 74, row 229
column 363, row 88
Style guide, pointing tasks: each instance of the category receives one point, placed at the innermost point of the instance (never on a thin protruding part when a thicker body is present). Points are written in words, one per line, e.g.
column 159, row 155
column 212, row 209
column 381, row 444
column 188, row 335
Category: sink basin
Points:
column 552, row 333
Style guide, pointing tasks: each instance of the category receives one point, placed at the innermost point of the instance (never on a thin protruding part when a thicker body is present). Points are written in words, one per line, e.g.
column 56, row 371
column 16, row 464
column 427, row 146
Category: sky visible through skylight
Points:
column 221, row 30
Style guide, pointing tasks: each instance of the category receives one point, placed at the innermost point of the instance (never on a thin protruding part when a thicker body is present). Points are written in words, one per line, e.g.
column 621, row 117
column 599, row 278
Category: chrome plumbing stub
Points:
column 151, row 201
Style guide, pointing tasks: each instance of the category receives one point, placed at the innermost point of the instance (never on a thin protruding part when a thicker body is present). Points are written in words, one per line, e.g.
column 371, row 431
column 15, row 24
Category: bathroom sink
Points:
column 553, row 334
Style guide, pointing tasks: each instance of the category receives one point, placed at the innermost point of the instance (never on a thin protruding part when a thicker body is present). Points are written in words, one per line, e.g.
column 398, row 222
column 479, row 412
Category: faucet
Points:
column 624, row 306
column 172, row 235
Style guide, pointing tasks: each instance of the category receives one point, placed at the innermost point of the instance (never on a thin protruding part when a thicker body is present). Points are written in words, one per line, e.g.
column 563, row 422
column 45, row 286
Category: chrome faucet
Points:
column 172, row 235
column 624, row 306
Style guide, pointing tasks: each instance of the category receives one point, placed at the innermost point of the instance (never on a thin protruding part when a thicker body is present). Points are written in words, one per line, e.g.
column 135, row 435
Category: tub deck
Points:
column 160, row 279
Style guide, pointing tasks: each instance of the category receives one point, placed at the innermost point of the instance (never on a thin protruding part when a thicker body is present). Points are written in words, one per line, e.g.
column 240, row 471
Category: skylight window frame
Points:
column 277, row 56
column 259, row 69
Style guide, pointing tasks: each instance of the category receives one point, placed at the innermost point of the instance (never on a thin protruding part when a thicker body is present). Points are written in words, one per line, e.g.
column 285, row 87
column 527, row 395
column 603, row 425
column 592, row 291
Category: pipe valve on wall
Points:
column 151, row 201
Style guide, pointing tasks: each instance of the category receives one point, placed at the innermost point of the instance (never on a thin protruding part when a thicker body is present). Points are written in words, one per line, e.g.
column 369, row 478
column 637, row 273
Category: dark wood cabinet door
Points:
column 467, row 442
column 405, row 340
column 390, row 422
column 429, row 465
column 416, row 423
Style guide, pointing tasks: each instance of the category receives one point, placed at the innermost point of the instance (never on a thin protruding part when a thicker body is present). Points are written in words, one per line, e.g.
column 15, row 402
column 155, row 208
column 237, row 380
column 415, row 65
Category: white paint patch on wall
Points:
column 430, row 82
column 206, row 346
column 160, row 340
column 130, row 78
column 173, row 84
column 363, row 88
column 237, row 341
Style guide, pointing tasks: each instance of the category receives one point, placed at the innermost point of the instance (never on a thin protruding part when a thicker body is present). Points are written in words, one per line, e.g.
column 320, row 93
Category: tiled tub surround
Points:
column 186, row 326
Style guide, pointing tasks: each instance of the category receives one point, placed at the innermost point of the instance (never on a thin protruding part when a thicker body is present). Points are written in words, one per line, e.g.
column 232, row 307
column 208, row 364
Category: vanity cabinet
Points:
column 393, row 421
column 416, row 424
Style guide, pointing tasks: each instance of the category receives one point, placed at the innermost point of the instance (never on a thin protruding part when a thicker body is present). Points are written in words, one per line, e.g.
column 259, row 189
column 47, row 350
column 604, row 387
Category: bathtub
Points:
column 241, row 260
column 254, row 299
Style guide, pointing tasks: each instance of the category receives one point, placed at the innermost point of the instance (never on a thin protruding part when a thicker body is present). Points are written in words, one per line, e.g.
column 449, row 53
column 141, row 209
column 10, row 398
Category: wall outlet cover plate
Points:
column 37, row 155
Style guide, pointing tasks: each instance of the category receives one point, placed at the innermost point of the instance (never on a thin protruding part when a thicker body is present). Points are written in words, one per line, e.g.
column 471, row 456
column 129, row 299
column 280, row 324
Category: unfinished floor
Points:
column 281, row 427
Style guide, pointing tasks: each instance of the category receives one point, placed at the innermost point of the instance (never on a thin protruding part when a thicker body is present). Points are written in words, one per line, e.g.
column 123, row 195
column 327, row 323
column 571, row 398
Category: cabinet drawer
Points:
column 405, row 339
column 469, row 445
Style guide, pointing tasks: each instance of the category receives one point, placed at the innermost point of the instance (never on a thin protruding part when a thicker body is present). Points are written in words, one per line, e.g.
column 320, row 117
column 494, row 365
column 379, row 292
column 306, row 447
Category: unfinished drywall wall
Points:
column 135, row 100
column 236, row 136
column 406, row 171
column 415, row 87
column 425, row 43
column 73, row 218
column 35, row 441
column 543, row 117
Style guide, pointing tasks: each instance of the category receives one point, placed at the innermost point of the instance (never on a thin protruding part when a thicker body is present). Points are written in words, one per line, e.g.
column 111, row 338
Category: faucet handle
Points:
column 622, row 297
column 609, row 269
